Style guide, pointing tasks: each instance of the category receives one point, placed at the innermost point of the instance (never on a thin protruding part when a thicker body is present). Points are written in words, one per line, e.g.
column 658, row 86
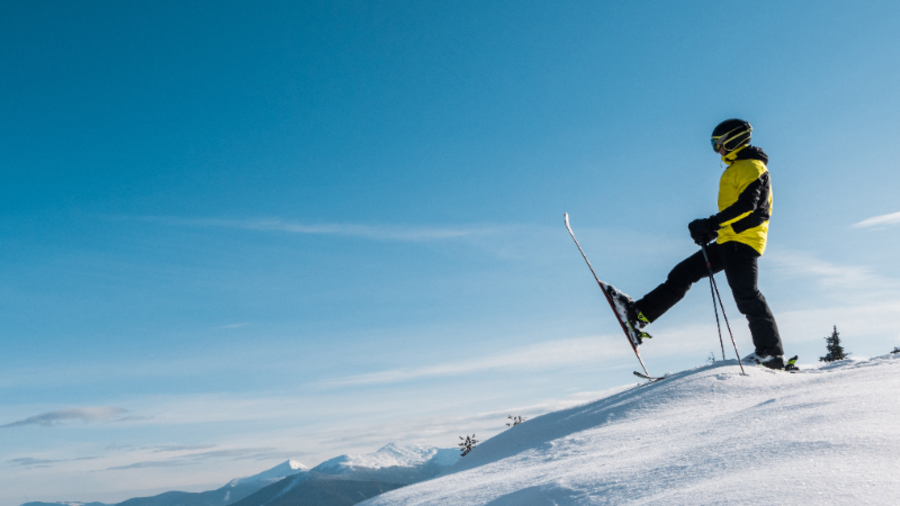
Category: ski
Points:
column 612, row 295
column 648, row 378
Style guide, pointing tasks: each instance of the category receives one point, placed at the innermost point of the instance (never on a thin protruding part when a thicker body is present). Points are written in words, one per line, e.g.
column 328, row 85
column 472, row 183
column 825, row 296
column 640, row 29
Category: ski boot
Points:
column 635, row 320
column 791, row 365
column 629, row 315
column 775, row 362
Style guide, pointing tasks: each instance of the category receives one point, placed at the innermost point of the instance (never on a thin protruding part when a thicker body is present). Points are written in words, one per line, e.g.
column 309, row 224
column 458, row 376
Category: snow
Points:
column 391, row 455
column 826, row 435
column 446, row 457
column 278, row 472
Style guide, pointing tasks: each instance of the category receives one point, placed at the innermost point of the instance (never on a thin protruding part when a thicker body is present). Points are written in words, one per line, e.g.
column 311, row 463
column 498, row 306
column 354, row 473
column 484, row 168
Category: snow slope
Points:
column 826, row 435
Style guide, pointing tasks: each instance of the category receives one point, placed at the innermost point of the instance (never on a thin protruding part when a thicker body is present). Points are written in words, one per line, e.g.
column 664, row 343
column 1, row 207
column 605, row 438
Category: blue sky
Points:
column 234, row 233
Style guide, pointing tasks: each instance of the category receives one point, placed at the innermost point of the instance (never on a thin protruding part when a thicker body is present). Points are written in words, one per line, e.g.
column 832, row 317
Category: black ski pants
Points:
column 739, row 263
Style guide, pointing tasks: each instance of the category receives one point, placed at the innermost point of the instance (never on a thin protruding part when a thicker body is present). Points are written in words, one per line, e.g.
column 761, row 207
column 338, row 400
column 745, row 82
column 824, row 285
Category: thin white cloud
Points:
column 152, row 463
column 117, row 447
column 544, row 355
column 861, row 321
column 256, row 454
column 88, row 414
column 33, row 462
column 879, row 221
column 180, row 448
column 243, row 454
column 789, row 264
column 374, row 232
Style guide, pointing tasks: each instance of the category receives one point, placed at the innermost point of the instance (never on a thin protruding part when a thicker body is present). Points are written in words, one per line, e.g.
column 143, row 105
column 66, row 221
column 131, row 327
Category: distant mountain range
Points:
column 349, row 479
column 341, row 481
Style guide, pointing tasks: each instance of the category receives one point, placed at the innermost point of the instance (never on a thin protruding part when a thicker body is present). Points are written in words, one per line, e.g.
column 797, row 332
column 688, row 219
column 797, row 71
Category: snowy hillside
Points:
column 827, row 435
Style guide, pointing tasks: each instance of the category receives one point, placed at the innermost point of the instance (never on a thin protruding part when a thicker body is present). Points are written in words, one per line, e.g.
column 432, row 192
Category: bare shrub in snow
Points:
column 467, row 445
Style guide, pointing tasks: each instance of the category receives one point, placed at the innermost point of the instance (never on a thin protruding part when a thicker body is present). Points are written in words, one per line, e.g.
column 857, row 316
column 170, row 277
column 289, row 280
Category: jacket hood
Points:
column 746, row 153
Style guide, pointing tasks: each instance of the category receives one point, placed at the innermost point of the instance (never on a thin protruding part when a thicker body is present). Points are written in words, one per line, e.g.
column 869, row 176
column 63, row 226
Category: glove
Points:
column 703, row 231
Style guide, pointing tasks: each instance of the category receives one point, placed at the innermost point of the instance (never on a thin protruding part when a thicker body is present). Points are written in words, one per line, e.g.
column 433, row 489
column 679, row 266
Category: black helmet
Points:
column 731, row 134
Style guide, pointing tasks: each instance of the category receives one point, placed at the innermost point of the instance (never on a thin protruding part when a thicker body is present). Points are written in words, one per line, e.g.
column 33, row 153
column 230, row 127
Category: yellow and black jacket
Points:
column 745, row 198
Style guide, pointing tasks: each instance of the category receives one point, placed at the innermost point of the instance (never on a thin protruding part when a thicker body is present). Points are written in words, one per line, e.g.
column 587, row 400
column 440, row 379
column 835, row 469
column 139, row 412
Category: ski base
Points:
column 648, row 377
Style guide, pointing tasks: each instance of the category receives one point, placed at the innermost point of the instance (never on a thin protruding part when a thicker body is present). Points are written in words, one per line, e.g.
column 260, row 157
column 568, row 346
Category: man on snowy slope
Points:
column 739, row 229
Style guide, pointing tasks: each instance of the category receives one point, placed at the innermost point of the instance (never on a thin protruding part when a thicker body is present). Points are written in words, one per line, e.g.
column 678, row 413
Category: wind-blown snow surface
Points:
column 827, row 435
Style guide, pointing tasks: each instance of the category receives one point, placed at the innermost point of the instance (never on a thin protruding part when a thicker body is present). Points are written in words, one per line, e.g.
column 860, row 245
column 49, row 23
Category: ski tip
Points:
column 566, row 216
column 648, row 377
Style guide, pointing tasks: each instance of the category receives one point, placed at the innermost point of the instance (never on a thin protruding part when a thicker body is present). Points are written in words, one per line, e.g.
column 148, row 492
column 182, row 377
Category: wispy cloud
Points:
column 32, row 462
column 406, row 233
column 256, row 454
column 89, row 414
column 875, row 320
column 795, row 264
column 879, row 221
column 150, row 463
column 538, row 356
column 240, row 454
column 180, row 448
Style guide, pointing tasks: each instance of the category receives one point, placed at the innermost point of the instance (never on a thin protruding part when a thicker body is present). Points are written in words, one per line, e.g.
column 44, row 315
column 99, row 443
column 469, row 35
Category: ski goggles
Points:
column 718, row 141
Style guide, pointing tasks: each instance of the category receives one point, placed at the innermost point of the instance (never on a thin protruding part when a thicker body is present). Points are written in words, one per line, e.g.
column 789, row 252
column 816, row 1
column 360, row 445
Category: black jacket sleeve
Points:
column 754, row 200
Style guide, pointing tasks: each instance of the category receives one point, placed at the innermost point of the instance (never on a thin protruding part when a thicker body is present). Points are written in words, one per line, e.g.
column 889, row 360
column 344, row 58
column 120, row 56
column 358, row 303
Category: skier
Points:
column 739, row 231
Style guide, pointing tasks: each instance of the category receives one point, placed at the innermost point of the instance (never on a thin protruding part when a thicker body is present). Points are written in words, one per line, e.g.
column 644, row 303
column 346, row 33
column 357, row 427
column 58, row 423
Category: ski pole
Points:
column 715, row 307
column 715, row 290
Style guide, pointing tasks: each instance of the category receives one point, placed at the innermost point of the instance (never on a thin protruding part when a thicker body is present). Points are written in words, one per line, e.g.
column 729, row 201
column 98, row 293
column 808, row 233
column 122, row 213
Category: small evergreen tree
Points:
column 835, row 350
column 896, row 349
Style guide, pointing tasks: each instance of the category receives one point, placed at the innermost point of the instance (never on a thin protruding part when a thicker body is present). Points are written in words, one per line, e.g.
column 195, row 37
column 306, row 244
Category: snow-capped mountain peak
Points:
column 390, row 455
column 287, row 468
